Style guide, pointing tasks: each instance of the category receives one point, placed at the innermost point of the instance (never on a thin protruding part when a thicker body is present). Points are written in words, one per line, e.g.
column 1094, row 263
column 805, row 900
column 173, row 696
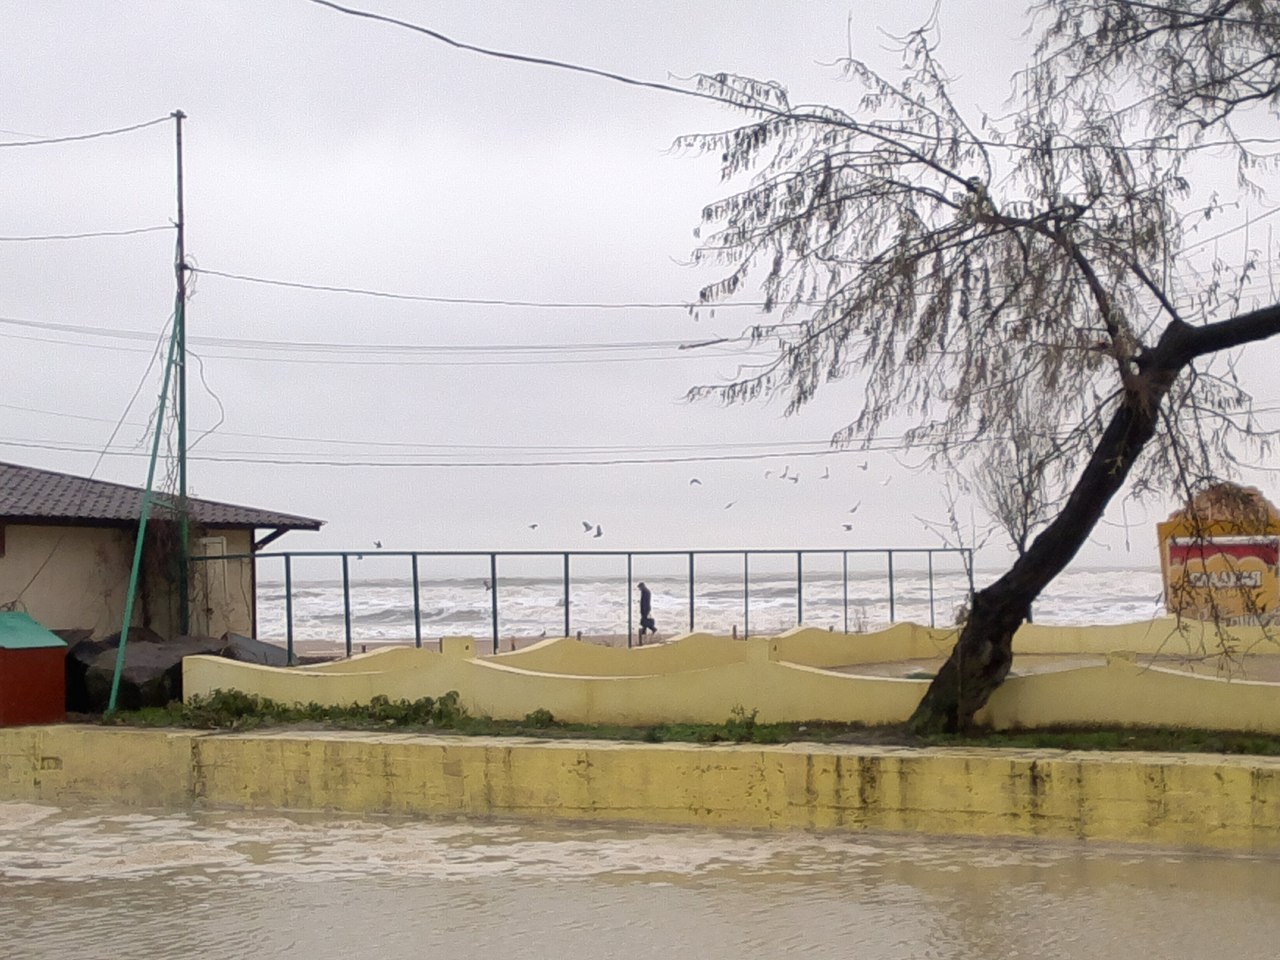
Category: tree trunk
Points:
column 981, row 658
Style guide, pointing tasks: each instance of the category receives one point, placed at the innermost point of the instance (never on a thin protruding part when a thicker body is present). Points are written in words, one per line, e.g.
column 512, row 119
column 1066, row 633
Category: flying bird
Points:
column 586, row 526
column 695, row 482
column 847, row 526
column 599, row 533
column 768, row 474
column 785, row 470
column 795, row 478
column 533, row 526
column 826, row 474
column 854, row 508
column 885, row 481
column 730, row 504
column 377, row 544
column 864, row 465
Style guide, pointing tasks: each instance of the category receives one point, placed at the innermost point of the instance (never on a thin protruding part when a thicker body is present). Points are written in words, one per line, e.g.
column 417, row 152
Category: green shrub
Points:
column 540, row 718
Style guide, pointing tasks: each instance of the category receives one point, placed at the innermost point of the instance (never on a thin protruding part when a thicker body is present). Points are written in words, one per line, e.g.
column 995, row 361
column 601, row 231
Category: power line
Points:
column 832, row 118
column 392, row 362
column 84, row 136
column 526, row 58
column 319, row 462
column 478, row 301
column 448, row 447
column 86, row 236
column 1236, row 229
column 570, row 305
column 343, row 347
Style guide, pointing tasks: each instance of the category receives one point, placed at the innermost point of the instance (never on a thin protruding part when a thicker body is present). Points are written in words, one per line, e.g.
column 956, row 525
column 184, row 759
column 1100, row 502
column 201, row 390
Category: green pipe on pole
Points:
column 180, row 331
column 144, row 513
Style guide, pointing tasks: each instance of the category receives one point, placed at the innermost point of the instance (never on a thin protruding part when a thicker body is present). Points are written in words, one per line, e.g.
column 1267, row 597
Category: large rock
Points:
column 152, row 674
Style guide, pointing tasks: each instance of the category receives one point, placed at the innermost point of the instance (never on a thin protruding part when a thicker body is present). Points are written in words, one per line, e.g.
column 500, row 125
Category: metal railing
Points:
column 964, row 554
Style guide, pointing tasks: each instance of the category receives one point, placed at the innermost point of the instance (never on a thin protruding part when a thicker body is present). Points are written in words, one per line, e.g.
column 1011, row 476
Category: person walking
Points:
column 646, row 615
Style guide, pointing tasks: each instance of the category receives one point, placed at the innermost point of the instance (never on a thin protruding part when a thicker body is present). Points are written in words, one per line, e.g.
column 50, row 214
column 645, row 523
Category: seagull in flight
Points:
column 847, row 526
column 768, row 474
column 730, row 504
column 599, row 533
column 533, row 526
column 794, row 478
column 854, row 508
column 826, row 474
column 695, row 482
column 864, row 465
column 885, row 481
column 785, row 471
column 586, row 526
column 377, row 544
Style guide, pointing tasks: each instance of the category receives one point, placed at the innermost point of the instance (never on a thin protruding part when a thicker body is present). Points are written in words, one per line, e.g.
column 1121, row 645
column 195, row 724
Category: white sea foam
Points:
column 383, row 608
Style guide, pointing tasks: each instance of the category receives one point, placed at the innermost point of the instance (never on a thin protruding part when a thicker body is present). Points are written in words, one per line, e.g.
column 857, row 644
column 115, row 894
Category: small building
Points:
column 1220, row 556
column 67, row 544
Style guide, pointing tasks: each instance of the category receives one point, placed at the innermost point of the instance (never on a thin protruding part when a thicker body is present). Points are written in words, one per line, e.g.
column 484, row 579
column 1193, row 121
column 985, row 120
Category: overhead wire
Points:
column 86, row 236
column 643, row 453
column 478, row 301
column 787, row 113
column 247, row 457
column 44, row 141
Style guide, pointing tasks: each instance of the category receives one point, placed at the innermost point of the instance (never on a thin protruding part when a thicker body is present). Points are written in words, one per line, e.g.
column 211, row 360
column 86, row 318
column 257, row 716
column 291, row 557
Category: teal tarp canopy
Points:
column 19, row 632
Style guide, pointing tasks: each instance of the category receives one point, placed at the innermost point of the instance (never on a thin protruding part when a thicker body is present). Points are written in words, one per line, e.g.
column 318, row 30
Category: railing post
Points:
column 288, row 609
column 932, row 622
column 629, row 589
column 892, row 614
column 566, row 595
column 844, row 566
column 346, row 599
column 746, row 594
column 799, row 588
column 417, row 604
column 493, row 596
column 691, row 591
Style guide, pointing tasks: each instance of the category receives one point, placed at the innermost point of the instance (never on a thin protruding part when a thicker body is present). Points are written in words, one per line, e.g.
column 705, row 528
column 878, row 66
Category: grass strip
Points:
column 232, row 710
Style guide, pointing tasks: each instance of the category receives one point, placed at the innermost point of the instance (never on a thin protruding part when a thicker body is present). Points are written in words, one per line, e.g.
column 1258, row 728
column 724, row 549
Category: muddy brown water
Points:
column 160, row 885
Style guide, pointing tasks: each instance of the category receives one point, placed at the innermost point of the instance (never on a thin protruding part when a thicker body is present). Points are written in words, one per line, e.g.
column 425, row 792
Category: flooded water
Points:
column 106, row 884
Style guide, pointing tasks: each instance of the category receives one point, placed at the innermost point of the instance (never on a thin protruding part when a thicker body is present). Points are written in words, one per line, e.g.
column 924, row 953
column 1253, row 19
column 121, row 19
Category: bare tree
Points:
column 1016, row 479
column 968, row 269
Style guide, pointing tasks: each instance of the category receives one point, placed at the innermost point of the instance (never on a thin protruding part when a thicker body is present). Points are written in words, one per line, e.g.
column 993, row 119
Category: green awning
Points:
column 19, row 632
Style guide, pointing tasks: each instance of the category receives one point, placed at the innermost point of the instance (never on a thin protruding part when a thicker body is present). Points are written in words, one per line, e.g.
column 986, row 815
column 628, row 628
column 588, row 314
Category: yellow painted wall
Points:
column 487, row 687
column 761, row 679
column 901, row 641
column 692, row 651
column 1125, row 693
column 77, row 577
column 1223, row 803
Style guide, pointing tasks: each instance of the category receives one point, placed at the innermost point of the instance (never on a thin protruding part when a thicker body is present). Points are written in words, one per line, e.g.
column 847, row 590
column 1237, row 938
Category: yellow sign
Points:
column 1233, row 580
column 1221, row 557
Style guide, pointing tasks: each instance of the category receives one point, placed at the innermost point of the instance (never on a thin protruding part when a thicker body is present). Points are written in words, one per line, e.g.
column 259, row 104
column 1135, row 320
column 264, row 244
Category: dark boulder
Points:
column 152, row 674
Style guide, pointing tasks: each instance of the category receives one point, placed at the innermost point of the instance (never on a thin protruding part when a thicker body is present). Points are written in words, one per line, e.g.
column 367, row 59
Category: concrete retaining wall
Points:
column 1223, row 803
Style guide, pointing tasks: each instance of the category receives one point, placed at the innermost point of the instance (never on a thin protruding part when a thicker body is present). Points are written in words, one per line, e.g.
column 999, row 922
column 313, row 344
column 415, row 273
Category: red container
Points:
column 33, row 680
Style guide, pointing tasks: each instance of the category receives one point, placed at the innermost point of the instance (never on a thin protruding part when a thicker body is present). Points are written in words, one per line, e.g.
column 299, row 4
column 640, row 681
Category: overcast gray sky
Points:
column 328, row 150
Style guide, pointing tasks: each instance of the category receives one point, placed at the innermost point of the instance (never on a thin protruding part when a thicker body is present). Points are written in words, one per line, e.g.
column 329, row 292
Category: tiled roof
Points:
column 31, row 495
